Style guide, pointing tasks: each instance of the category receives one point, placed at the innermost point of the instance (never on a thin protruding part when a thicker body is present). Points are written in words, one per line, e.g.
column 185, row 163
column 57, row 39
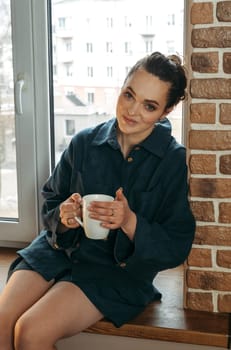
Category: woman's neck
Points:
column 126, row 143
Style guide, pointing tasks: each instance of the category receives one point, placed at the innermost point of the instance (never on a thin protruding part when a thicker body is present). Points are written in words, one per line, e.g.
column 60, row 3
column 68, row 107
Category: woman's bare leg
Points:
column 23, row 289
column 63, row 311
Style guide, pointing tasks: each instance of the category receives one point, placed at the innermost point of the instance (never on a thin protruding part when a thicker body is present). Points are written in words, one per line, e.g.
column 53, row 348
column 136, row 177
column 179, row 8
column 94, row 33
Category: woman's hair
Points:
column 166, row 68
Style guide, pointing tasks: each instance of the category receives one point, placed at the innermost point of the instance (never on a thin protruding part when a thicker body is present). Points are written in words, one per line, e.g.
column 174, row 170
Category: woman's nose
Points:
column 133, row 109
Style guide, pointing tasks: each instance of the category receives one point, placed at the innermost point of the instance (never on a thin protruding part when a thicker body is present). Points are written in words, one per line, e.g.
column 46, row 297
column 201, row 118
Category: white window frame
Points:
column 30, row 42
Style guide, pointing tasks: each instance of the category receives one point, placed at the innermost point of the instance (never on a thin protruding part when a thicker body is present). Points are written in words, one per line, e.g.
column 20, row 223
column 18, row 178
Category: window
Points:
column 90, row 98
column 70, row 127
column 127, row 22
column 148, row 21
column 109, row 72
column 68, row 69
column 90, row 72
column 148, row 46
column 21, row 173
column 109, row 22
column 62, row 22
column 68, row 45
column 94, row 98
column 171, row 19
column 109, row 47
column 127, row 47
column 89, row 47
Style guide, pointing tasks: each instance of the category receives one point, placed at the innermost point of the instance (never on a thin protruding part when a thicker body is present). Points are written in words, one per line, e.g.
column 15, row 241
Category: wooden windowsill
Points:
column 165, row 320
column 168, row 321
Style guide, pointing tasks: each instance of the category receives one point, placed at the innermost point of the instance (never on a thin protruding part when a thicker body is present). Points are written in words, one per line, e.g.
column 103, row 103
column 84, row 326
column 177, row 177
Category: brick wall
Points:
column 208, row 270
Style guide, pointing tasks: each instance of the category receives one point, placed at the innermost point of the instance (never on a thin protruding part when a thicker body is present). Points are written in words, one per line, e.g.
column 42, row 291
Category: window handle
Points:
column 18, row 96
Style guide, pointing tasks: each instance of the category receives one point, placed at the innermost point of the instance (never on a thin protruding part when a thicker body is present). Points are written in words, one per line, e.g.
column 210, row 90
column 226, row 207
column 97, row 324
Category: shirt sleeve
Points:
column 165, row 241
column 57, row 189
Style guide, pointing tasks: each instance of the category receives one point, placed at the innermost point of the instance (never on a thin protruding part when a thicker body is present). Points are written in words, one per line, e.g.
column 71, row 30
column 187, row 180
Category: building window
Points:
column 62, row 22
column 90, row 72
column 109, row 22
column 127, row 47
column 148, row 21
column 171, row 19
column 170, row 46
column 127, row 22
column 68, row 69
column 68, row 45
column 90, row 98
column 148, row 46
column 109, row 72
column 70, row 127
column 89, row 47
column 109, row 47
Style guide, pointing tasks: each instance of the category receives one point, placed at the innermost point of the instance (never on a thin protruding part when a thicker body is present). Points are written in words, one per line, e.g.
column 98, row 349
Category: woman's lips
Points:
column 129, row 121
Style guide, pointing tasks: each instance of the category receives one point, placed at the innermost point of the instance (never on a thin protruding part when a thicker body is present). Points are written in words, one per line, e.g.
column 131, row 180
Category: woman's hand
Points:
column 115, row 214
column 70, row 208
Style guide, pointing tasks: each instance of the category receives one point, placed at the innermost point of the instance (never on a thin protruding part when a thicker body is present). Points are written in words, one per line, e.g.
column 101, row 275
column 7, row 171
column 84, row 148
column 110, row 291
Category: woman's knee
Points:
column 27, row 335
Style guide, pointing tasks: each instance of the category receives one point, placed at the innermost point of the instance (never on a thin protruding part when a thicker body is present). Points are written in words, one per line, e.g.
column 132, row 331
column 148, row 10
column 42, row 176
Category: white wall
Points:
column 86, row 341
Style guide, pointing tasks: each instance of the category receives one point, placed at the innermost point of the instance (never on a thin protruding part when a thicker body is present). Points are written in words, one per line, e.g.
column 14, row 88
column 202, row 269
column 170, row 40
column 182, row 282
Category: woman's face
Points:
column 141, row 103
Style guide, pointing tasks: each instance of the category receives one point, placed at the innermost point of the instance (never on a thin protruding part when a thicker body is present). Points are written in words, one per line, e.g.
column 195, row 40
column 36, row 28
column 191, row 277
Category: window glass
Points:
column 8, row 174
column 95, row 42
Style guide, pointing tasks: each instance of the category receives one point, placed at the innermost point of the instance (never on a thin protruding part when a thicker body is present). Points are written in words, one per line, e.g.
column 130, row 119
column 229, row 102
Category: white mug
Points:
column 92, row 227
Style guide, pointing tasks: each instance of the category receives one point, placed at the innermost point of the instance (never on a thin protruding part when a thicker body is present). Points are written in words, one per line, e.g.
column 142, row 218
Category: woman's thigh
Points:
column 63, row 311
column 22, row 290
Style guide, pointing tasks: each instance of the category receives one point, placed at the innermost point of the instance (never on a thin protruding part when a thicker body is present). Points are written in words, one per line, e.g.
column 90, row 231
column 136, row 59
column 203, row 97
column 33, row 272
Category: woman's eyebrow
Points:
column 146, row 100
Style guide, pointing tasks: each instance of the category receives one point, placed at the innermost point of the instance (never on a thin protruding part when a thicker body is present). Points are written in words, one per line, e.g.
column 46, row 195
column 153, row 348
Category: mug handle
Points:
column 79, row 220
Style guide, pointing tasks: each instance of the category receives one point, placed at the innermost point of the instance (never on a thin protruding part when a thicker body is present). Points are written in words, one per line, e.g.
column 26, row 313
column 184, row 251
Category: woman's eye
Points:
column 149, row 107
column 128, row 95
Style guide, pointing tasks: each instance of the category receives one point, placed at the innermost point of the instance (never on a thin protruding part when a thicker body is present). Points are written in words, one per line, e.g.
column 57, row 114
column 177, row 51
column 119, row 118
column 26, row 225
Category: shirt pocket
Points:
column 149, row 202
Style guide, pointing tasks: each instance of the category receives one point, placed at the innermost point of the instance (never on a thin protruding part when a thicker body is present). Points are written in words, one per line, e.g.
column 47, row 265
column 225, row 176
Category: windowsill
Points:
column 168, row 321
column 165, row 320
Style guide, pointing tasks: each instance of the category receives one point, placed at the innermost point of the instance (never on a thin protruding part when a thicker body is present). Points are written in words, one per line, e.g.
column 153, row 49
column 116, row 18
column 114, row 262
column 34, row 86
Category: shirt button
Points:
column 137, row 148
column 77, row 245
column 123, row 264
column 130, row 159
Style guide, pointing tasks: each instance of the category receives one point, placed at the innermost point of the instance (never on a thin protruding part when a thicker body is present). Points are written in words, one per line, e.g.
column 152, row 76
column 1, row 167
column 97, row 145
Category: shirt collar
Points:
column 107, row 134
column 156, row 143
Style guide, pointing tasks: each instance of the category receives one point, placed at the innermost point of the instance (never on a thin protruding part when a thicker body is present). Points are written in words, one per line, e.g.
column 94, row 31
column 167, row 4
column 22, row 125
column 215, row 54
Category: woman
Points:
column 64, row 282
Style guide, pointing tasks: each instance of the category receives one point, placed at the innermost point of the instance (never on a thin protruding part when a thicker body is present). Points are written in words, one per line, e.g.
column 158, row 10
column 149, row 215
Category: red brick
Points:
column 213, row 235
column 202, row 164
column 225, row 164
column 210, row 188
column 209, row 280
column 213, row 140
column 225, row 213
column 203, row 211
column 224, row 302
column 225, row 113
column 203, row 113
column 211, row 37
column 224, row 258
column 199, row 301
column 227, row 63
column 213, row 88
column 205, row 62
column 223, row 11
column 202, row 13
column 200, row 257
